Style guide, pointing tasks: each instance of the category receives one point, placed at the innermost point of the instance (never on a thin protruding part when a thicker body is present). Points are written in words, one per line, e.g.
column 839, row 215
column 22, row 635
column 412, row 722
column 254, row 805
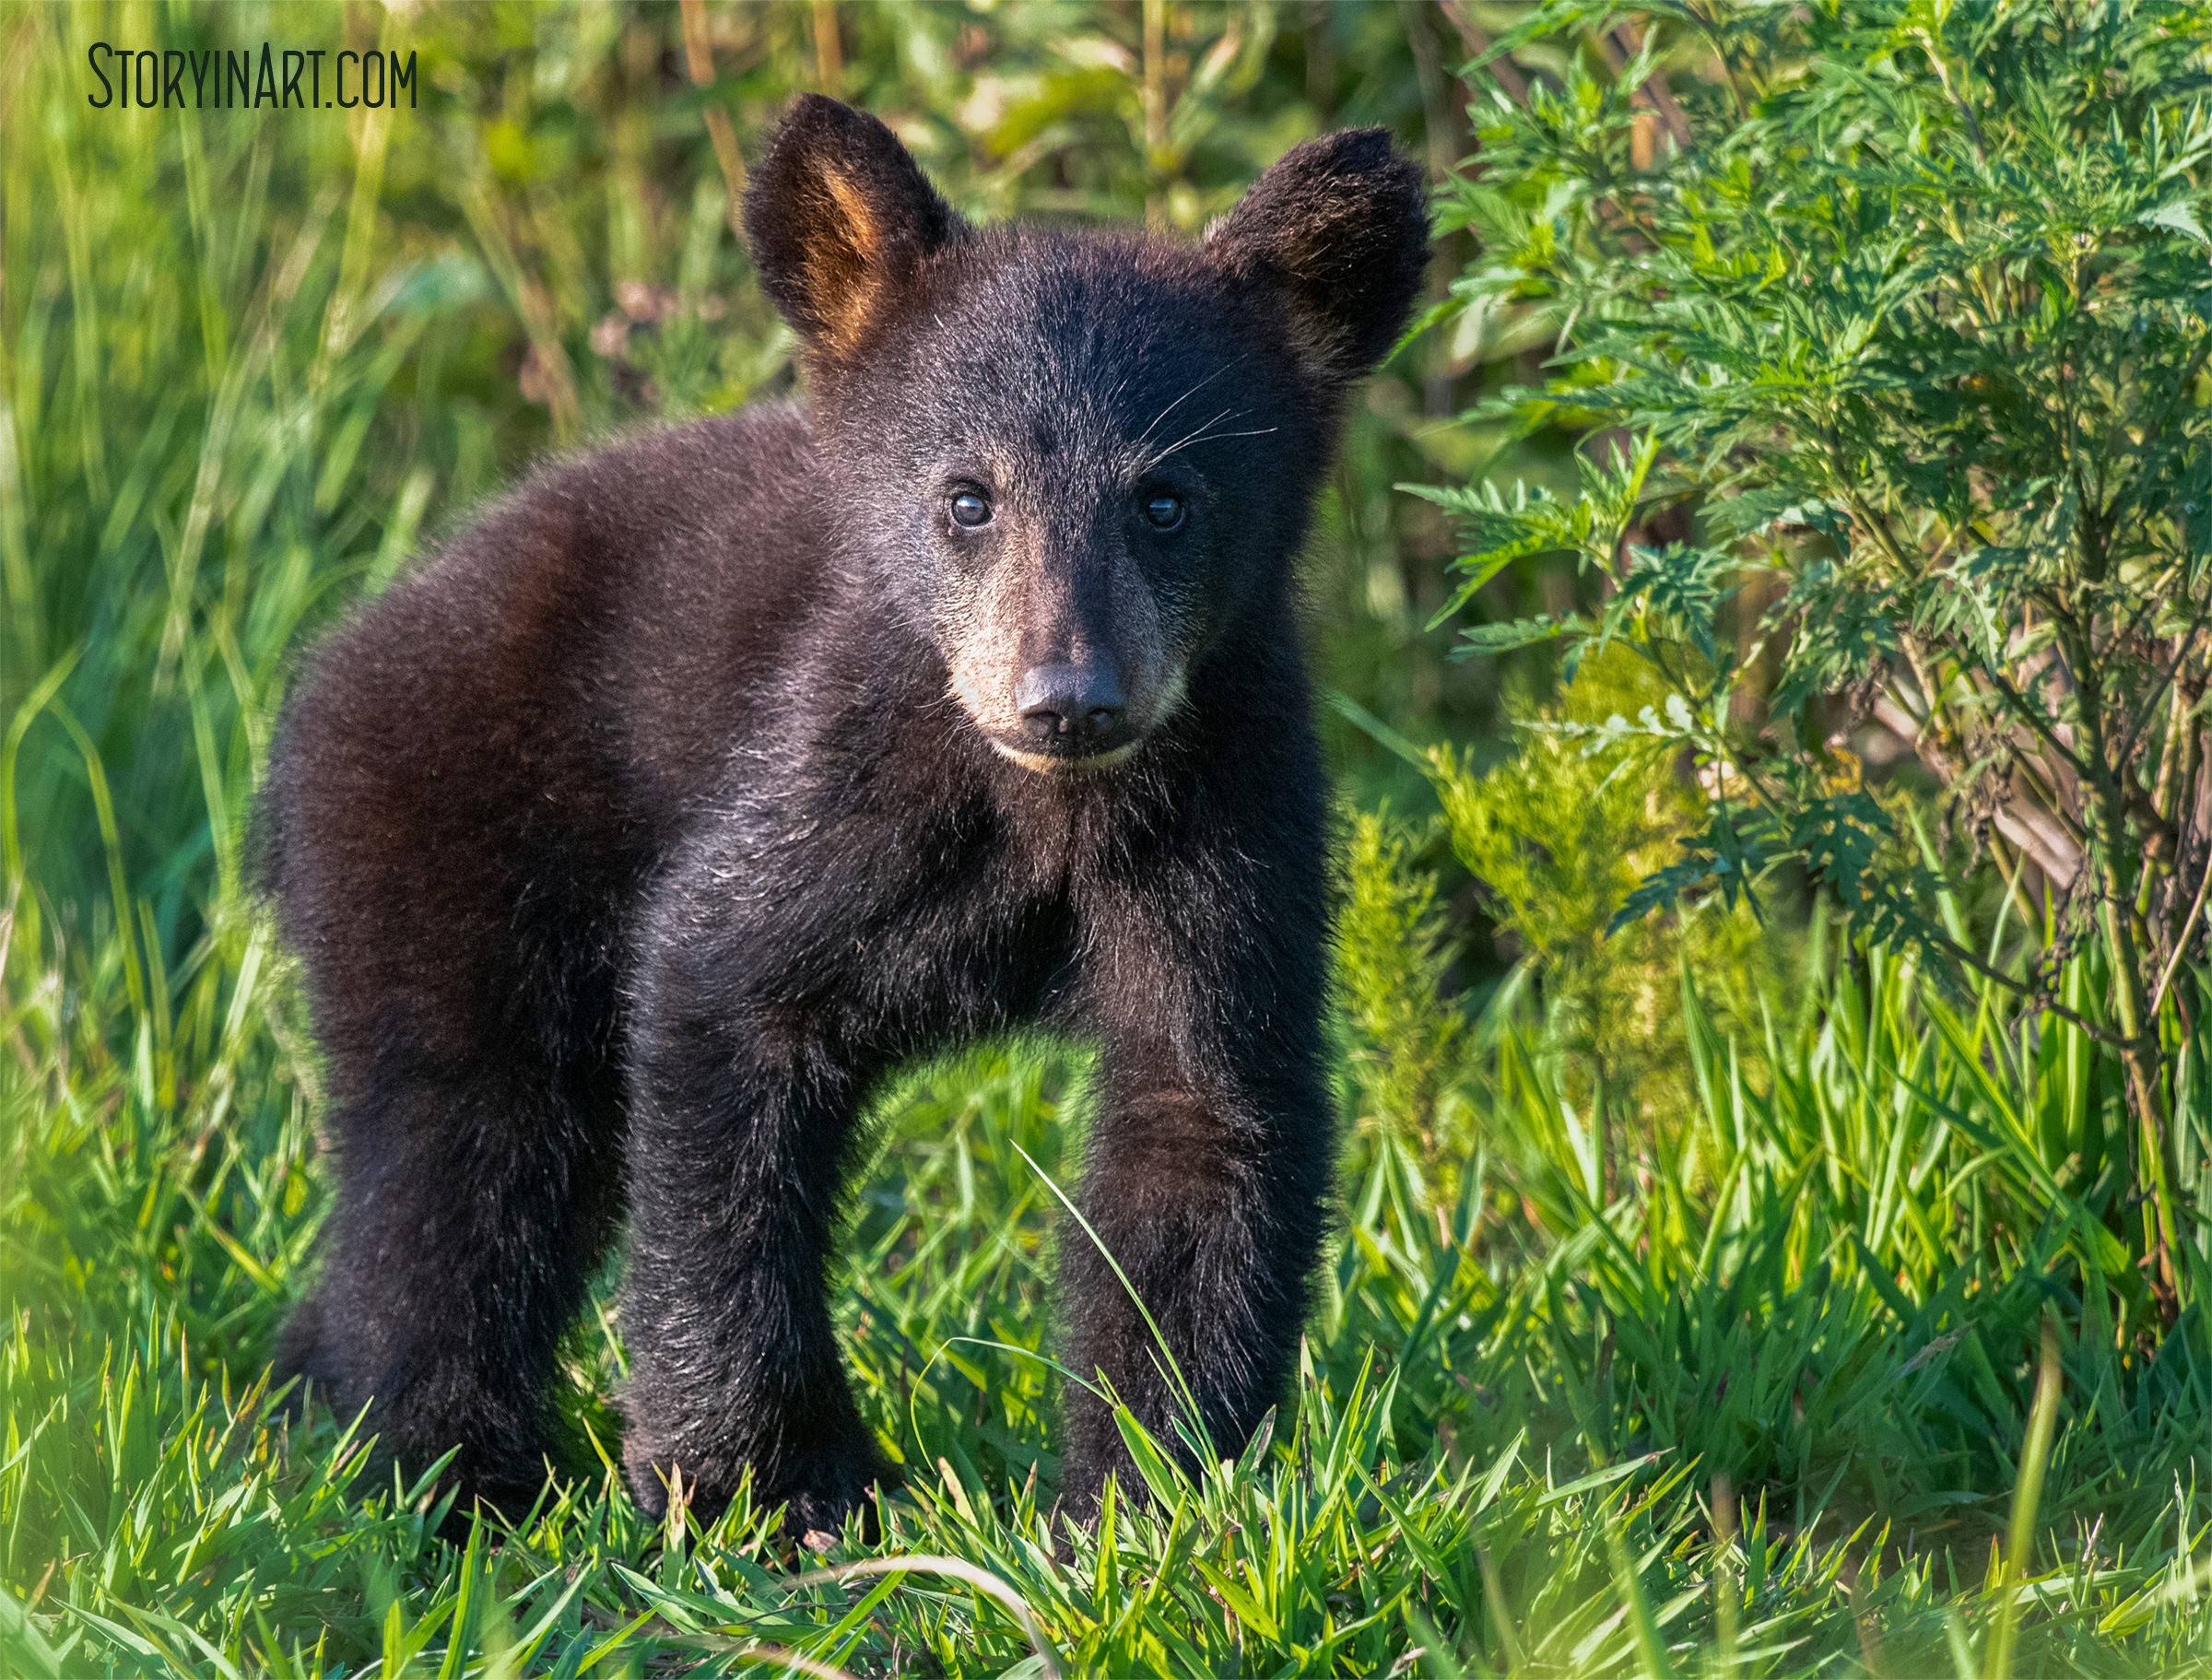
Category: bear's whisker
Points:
column 1185, row 397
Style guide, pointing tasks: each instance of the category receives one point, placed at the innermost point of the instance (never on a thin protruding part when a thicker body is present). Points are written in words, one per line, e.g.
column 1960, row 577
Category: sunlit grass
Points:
column 1510, row 1431
column 1766, row 1402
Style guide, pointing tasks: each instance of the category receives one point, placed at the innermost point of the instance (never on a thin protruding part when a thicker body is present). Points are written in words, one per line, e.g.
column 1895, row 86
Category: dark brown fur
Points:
column 633, row 838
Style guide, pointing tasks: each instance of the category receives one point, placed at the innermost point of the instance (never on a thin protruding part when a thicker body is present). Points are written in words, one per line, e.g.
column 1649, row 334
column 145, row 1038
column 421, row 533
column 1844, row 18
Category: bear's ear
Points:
column 1340, row 227
column 839, row 214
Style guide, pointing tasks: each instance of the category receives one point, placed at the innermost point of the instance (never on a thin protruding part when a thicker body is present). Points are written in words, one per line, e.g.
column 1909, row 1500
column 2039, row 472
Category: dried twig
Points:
column 1478, row 41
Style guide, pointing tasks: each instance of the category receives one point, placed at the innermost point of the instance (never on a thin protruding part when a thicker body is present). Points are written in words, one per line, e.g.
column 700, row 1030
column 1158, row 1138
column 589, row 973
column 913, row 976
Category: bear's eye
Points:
column 971, row 510
column 1164, row 512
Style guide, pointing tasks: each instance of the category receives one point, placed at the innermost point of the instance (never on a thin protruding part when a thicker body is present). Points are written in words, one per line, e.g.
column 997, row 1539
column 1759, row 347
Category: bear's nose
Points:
column 1071, row 706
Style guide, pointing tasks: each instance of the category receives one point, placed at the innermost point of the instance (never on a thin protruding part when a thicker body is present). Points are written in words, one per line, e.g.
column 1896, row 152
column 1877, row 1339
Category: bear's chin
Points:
column 1066, row 764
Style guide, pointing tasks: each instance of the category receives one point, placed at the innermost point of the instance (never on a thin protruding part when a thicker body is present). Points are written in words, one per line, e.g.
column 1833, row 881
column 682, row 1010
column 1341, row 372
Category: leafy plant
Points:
column 1558, row 836
column 1912, row 318
column 1829, row 1286
column 1407, row 1033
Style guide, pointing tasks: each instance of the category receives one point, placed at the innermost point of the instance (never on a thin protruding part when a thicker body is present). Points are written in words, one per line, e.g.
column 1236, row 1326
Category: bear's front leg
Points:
column 1204, row 1173
column 742, row 1120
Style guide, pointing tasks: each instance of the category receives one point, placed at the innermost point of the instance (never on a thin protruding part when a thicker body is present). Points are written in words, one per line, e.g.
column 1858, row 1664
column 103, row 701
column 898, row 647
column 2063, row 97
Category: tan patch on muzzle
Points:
column 988, row 626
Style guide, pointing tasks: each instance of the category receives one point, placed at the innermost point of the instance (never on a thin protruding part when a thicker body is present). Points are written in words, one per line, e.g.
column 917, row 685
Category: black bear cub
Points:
column 629, row 841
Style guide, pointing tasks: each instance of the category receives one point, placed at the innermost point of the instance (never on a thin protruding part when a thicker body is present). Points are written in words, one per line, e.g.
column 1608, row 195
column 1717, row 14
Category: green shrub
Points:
column 1826, row 1284
column 1408, row 1034
column 1558, row 836
column 1906, row 303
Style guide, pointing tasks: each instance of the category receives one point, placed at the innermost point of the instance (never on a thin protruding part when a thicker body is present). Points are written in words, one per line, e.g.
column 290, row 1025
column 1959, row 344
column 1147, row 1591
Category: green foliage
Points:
column 246, row 364
column 1912, row 314
column 1407, row 1033
column 1827, row 1292
column 1558, row 837
column 249, row 361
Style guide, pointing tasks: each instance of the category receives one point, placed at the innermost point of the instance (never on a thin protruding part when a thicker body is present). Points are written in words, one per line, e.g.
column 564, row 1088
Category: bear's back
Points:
column 509, row 735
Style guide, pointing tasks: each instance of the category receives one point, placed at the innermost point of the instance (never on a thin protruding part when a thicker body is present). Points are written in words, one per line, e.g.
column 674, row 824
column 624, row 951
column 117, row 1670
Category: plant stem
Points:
column 2105, row 794
column 1155, row 108
column 2138, row 1030
column 2027, row 1495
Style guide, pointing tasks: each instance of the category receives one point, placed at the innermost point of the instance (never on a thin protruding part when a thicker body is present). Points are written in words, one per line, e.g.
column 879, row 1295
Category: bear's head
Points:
column 1073, row 461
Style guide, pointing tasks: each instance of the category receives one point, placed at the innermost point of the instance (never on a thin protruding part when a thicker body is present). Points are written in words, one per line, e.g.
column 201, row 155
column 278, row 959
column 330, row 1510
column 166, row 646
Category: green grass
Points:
column 1771, row 1408
column 1513, row 1444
